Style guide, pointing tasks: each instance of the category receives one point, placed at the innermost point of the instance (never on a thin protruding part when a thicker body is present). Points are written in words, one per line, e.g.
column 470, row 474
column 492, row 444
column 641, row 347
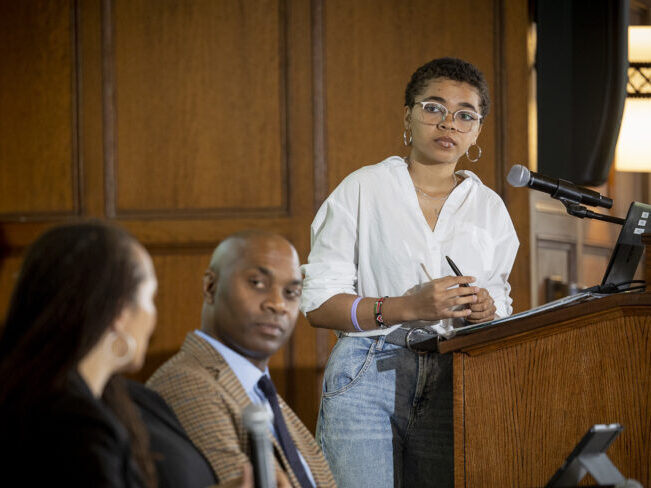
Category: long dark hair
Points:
column 74, row 282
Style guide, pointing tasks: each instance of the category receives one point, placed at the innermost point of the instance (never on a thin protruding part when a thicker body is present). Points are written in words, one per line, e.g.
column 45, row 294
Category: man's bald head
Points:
column 251, row 294
column 235, row 246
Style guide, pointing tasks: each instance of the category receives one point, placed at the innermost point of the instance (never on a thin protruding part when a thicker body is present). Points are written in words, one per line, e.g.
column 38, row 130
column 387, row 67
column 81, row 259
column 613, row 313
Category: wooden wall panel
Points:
column 556, row 260
column 593, row 265
column 199, row 90
column 199, row 119
column 512, row 134
column 179, row 272
column 372, row 48
column 38, row 161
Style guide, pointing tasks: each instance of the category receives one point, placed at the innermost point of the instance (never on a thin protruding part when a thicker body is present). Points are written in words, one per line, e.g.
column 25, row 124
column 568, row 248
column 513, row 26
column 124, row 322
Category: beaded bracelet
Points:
column 378, row 313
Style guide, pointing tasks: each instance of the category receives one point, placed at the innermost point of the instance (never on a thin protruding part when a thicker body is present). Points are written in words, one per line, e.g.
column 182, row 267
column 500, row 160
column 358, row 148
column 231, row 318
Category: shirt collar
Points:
column 469, row 174
column 246, row 372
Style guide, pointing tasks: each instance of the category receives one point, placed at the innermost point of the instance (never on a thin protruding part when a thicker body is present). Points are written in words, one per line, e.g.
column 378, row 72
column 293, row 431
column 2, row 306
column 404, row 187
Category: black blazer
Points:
column 70, row 439
column 178, row 462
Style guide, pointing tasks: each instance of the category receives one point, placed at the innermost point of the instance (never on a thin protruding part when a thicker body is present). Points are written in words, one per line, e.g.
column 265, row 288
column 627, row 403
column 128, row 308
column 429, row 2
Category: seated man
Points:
column 251, row 295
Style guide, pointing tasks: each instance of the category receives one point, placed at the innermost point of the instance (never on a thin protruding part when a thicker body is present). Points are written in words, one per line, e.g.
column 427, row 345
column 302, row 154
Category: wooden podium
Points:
column 526, row 391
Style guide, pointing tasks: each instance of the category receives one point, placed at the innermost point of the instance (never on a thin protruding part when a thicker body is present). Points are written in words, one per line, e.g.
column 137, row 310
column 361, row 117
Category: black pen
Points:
column 455, row 269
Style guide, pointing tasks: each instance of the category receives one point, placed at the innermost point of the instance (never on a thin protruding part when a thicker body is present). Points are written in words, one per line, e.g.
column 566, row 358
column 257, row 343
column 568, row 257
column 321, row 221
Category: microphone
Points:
column 256, row 420
column 556, row 187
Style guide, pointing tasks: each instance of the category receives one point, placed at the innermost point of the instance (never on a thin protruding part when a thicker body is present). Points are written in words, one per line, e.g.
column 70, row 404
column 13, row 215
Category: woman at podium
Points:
column 377, row 274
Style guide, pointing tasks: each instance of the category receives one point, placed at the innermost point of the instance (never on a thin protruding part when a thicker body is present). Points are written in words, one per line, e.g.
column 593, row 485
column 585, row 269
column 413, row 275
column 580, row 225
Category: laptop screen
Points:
column 629, row 248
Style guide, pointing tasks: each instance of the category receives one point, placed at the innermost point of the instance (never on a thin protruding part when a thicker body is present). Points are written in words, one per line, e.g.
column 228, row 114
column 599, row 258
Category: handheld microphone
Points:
column 556, row 187
column 256, row 420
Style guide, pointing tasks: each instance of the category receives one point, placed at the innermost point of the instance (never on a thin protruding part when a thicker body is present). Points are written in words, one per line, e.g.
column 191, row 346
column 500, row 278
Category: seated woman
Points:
column 82, row 310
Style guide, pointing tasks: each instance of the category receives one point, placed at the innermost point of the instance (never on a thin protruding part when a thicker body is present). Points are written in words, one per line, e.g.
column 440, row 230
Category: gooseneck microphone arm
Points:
column 580, row 211
column 571, row 195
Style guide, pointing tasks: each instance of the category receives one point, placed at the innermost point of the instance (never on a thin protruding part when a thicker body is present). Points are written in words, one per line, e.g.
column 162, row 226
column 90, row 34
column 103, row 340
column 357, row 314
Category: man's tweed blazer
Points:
column 208, row 399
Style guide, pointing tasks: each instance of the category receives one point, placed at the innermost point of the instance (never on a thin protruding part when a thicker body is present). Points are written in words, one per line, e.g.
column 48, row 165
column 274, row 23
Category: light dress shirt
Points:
column 249, row 375
column 370, row 238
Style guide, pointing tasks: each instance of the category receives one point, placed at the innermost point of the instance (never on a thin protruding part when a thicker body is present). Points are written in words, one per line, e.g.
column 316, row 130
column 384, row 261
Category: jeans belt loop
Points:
column 408, row 337
column 380, row 342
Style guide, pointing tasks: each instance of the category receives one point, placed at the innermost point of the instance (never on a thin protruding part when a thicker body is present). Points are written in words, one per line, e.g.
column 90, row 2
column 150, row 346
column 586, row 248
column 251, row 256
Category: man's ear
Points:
column 209, row 286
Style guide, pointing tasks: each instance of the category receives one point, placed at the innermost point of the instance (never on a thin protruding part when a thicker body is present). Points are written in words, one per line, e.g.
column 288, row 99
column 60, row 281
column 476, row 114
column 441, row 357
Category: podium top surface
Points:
column 549, row 319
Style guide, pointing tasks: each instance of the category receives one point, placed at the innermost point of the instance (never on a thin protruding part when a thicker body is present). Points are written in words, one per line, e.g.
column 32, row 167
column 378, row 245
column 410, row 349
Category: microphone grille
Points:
column 518, row 176
column 256, row 418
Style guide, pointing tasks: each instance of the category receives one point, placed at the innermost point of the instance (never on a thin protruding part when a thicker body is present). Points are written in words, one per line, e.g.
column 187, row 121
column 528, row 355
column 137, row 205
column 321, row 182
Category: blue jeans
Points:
column 386, row 415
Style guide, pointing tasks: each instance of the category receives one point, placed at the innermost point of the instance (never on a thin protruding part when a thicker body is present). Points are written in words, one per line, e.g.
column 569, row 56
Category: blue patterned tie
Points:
column 285, row 440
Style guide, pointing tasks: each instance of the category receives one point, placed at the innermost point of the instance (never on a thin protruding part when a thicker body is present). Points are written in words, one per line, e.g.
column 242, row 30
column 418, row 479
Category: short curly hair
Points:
column 452, row 69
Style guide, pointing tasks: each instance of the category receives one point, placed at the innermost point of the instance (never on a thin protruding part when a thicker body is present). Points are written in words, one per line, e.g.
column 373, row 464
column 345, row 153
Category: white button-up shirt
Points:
column 370, row 238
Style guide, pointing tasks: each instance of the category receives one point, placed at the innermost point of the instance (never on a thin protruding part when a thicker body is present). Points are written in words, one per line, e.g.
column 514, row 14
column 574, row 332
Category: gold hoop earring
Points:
column 121, row 347
column 478, row 153
column 404, row 138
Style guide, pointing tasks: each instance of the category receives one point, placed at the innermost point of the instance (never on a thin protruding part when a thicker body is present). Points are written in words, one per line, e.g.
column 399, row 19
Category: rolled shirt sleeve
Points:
column 332, row 264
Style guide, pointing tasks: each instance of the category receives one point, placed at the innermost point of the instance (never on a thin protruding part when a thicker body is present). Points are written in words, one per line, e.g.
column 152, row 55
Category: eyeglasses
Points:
column 433, row 113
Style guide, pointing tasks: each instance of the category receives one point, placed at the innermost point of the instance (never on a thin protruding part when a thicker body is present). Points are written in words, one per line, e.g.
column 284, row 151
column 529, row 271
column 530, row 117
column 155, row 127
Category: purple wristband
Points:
column 353, row 314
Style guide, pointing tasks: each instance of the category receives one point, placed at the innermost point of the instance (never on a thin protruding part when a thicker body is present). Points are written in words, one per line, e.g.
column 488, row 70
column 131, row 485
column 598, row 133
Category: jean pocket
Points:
column 349, row 361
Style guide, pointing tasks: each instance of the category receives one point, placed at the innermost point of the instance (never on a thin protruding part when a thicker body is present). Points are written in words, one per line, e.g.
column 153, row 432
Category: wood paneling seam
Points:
column 76, row 87
column 499, row 61
column 283, row 57
column 318, row 87
column 108, row 112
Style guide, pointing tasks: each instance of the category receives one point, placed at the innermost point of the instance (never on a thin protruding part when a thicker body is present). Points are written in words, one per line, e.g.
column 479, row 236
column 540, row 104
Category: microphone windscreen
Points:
column 518, row 176
column 256, row 418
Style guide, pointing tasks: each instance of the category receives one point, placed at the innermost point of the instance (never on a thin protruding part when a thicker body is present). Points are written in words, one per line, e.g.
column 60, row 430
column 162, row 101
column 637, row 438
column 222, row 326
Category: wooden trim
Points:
column 319, row 104
column 320, row 162
column 108, row 105
column 565, row 239
column 37, row 216
column 500, row 108
column 163, row 235
column 283, row 57
column 166, row 249
column 76, row 86
column 200, row 213
column 284, row 209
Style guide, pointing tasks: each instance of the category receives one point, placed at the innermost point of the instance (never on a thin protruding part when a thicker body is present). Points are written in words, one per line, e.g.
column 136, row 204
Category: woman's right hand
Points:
column 436, row 299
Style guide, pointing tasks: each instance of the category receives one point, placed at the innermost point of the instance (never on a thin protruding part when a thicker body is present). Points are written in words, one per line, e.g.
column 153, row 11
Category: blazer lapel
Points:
column 212, row 361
